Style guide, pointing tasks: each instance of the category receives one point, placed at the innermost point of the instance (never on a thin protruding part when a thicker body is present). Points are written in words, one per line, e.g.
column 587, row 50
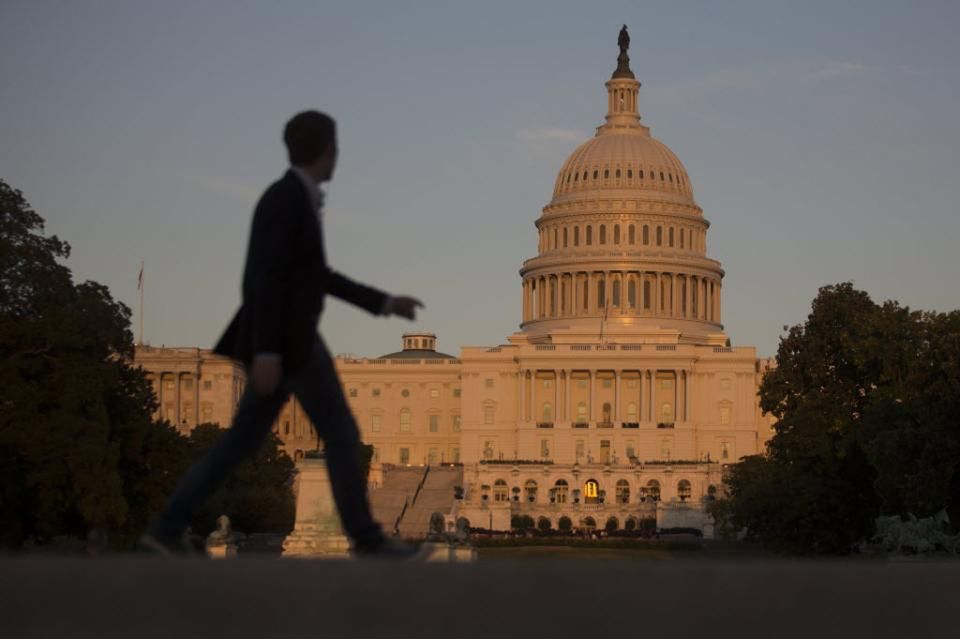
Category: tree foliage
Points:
column 866, row 398
column 78, row 447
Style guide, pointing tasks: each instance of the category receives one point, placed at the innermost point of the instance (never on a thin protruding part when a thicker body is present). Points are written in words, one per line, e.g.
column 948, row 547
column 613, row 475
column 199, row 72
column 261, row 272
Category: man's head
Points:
column 311, row 139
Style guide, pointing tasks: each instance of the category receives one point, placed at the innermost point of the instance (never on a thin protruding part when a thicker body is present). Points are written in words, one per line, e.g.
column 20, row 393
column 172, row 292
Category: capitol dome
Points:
column 622, row 244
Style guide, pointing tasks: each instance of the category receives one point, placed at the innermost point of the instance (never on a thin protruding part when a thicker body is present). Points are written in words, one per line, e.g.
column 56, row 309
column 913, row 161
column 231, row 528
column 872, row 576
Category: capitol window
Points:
column 646, row 234
column 616, row 234
column 564, row 237
column 724, row 450
column 682, row 234
column 434, row 423
column 488, row 383
column 488, row 415
column 376, row 423
column 404, row 456
column 582, row 412
column 376, row 392
column 632, row 294
column 595, row 174
column 560, row 491
column 616, row 293
column 631, row 412
column 500, row 490
column 670, row 237
column 618, row 174
column 456, row 392
column 456, row 423
column 547, row 412
column 603, row 234
column 405, row 393
column 632, row 234
column 353, row 392
column 641, row 174
column 659, row 236
column 405, row 421
column 207, row 385
column 589, row 235
column 606, row 174
column 576, row 236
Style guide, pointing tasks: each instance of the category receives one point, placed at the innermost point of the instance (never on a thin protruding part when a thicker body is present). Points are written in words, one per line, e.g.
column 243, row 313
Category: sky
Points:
column 821, row 140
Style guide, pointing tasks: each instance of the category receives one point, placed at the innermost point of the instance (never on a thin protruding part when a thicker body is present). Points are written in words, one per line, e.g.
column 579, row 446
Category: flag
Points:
column 140, row 278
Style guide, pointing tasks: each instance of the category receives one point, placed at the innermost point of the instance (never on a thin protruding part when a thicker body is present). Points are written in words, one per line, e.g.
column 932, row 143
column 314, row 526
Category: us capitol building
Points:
column 620, row 398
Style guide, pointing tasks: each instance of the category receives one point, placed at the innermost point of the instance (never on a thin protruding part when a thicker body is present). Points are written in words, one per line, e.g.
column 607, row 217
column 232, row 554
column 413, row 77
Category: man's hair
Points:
column 308, row 135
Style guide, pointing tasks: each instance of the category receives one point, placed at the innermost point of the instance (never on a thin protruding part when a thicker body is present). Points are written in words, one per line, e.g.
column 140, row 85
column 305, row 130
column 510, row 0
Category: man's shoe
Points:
column 389, row 548
column 165, row 548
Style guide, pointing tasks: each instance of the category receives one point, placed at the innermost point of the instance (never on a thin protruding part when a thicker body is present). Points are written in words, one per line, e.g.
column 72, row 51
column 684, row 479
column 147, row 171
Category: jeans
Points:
column 319, row 391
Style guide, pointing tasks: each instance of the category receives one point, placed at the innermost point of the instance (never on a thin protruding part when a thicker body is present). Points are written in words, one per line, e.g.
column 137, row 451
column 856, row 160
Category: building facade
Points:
column 619, row 399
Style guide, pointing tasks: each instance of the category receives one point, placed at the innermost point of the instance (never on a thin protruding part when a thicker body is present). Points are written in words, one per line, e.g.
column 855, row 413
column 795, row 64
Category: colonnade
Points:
column 681, row 295
column 179, row 414
column 562, row 394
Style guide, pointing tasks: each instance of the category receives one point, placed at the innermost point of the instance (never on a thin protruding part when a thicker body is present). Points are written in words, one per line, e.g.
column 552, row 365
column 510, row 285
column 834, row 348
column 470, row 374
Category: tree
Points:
column 78, row 446
column 258, row 496
column 865, row 398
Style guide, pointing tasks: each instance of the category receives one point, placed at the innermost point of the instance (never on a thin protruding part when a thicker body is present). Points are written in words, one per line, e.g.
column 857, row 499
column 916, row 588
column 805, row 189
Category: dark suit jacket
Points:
column 286, row 279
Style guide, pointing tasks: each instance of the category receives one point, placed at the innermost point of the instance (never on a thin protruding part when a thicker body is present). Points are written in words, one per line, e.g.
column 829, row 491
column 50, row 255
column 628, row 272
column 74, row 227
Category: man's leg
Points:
column 250, row 425
column 321, row 396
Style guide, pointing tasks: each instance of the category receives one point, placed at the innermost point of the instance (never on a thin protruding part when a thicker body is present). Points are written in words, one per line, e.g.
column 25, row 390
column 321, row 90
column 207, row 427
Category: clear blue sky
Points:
column 821, row 138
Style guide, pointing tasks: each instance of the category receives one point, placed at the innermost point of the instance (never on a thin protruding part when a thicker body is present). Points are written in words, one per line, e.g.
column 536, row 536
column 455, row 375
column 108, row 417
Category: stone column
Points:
column 657, row 310
column 568, row 392
column 591, row 410
column 687, row 394
column 196, row 398
column 528, row 395
column 616, row 395
column 686, row 297
column 520, row 377
column 177, row 411
column 652, row 379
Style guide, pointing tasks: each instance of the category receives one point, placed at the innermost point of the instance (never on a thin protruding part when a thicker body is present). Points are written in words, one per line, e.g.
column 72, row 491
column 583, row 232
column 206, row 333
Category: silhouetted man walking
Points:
column 274, row 334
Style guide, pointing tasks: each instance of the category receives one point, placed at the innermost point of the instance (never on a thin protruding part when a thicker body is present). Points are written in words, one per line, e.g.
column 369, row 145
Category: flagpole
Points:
column 141, row 287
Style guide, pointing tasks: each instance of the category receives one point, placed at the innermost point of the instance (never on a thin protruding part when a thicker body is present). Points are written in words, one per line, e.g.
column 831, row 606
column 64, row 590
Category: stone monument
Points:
column 221, row 543
column 316, row 531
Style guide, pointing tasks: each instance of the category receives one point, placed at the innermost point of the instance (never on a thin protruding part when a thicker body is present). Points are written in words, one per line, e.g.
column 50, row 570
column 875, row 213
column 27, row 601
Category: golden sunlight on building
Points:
column 619, row 398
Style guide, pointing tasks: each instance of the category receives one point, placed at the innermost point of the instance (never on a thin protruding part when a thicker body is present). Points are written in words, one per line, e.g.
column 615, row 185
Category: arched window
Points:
column 646, row 235
column 530, row 491
column 591, row 491
column 585, row 173
column 589, row 235
column 623, row 491
column 556, row 243
column 630, row 174
column 670, row 237
column 659, row 236
column 670, row 176
column 616, row 293
column 653, row 490
column 500, row 490
column 601, row 294
column 683, row 490
column 612, row 525
column 632, row 234
column 547, row 412
column 606, row 173
column 632, row 294
column 560, row 491
column 603, row 234
column 595, row 174
column 576, row 236
column 641, row 175
column 631, row 412
column 683, row 233
column 564, row 524
column 405, row 420
column 543, row 524
column 616, row 234
column 589, row 524
column 582, row 412
column 646, row 295
column 564, row 237
column 618, row 174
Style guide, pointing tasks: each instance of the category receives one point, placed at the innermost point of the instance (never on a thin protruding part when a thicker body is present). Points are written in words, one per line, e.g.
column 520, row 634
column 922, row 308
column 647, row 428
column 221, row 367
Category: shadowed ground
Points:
column 130, row 596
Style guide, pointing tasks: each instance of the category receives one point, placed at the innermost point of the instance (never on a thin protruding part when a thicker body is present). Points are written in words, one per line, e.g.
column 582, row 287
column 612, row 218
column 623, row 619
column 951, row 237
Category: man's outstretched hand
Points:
column 403, row 306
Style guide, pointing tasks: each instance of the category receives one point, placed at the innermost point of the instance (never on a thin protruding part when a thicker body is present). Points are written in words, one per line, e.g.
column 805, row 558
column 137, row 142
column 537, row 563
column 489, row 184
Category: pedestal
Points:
column 316, row 531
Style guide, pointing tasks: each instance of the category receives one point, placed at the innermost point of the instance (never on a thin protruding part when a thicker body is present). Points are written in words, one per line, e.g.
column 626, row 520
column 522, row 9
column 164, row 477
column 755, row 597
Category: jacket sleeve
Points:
column 366, row 297
column 270, row 266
